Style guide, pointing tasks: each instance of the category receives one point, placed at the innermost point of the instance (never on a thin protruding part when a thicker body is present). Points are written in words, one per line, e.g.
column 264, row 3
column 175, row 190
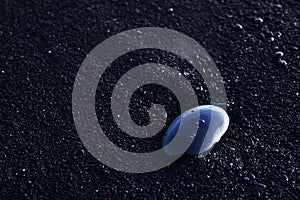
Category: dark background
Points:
column 43, row 44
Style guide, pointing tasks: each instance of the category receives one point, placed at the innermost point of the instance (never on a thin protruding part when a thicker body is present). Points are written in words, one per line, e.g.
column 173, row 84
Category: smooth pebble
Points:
column 212, row 122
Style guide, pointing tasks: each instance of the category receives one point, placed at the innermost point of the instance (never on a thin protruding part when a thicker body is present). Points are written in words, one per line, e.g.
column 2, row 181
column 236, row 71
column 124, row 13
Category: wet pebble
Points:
column 209, row 124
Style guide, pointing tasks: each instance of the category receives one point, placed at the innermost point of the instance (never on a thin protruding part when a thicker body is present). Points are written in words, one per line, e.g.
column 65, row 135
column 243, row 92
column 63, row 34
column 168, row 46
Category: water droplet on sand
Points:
column 238, row 27
column 170, row 9
column 260, row 187
column 271, row 39
column 186, row 73
column 258, row 20
column 278, row 54
column 282, row 63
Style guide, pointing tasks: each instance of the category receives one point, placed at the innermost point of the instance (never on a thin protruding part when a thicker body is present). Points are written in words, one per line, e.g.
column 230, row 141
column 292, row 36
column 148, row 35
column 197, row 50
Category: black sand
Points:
column 43, row 45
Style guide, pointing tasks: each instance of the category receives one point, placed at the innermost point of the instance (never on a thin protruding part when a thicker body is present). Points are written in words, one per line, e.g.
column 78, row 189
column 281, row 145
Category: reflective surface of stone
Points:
column 211, row 121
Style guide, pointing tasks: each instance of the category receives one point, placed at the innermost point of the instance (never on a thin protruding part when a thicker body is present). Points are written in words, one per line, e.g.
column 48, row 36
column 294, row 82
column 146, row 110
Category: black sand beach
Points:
column 254, row 44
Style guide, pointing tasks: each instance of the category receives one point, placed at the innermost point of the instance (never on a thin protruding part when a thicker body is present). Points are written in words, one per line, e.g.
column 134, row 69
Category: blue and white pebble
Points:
column 212, row 122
